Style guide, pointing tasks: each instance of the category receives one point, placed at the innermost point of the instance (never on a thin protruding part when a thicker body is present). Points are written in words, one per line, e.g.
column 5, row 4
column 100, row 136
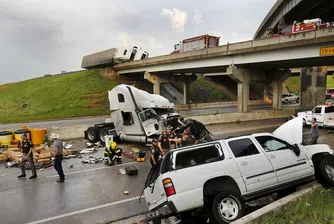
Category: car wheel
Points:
column 326, row 169
column 227, row 207
column 286, row 101
column 304, row 122
column 92, row 134
column 103, row 132
column 297, row 101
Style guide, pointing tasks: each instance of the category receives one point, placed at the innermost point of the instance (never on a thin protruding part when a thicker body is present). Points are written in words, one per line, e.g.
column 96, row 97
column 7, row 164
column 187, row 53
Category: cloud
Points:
column 198, row 18
column 177, row 18
column 44, row 37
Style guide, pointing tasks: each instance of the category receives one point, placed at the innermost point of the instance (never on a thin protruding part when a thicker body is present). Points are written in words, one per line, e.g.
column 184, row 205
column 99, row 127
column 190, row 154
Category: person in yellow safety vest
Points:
column 112, row 154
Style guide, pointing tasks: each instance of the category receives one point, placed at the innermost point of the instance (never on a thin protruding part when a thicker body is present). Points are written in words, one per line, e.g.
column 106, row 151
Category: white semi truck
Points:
column 137, row 116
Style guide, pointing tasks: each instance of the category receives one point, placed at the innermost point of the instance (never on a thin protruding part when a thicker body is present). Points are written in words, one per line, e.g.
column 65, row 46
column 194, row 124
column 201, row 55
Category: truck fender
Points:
column 313, row 150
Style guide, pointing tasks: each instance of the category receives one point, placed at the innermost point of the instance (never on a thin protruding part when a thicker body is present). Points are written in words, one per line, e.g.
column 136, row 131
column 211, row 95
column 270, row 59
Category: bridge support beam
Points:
column 158, row 79
column 278, row 78
column 313, row 86
column 186, row 93
column 243, row 76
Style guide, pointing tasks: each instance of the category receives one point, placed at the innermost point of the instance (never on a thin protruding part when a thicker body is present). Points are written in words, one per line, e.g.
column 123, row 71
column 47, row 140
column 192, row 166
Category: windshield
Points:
column 161, row 111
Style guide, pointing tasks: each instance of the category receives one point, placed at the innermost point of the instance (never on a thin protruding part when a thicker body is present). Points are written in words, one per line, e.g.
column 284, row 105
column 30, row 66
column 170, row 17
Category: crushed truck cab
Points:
column 137, row 116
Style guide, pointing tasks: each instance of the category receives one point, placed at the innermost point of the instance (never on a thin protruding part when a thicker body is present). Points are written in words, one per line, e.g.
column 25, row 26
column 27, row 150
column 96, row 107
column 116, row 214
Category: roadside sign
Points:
column 326, row 51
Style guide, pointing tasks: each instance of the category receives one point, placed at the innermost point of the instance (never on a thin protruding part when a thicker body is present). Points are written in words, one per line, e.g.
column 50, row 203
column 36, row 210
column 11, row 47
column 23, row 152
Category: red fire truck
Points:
column 306, row 25
column 196, row 43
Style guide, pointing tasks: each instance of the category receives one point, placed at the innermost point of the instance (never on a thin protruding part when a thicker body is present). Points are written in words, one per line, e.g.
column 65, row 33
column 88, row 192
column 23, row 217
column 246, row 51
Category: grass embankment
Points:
column 316, row 208
column 202, row 92
column 293, row 83
column 71, row 95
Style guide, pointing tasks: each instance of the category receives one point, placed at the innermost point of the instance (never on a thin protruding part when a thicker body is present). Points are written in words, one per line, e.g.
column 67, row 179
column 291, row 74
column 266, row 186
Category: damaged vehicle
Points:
column 217, row 178
column 138, row 116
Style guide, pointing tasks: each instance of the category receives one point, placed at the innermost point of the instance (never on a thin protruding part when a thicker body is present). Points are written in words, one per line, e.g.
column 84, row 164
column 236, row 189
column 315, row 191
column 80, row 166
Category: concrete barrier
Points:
column 216, row 104
column 76, row 132
column 69, row 132
column 236, row 117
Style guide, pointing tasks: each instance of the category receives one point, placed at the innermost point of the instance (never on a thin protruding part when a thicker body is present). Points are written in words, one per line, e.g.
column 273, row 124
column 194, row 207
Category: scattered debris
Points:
column 3, row 175
column 308, row 204
column 93, row 160
column 68, row 146
column 121, row 171
column 11, row 164
column 129, row 155
column 88, row 151
column 126, row 192
column 40, row 169
column 71, row 166
column 131, row 170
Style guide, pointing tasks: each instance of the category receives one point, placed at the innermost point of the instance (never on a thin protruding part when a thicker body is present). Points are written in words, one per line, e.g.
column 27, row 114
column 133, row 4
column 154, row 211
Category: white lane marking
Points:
column 84, row 210
column 99, row 168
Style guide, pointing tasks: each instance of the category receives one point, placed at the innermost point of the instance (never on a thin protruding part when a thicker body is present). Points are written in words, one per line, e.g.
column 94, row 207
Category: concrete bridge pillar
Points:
column 243, row 76
column 278, row 77
column 186, row 93
column 156, row 88
column 243, row 96
column 313, row 86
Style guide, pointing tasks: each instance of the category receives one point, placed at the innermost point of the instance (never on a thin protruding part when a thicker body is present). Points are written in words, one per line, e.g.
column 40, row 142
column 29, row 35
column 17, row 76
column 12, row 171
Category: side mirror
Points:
column 296, row 149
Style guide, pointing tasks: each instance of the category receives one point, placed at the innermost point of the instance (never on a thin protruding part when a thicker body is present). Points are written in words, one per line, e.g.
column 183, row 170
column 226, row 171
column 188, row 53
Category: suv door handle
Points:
column 272, row 157
column 244, row 163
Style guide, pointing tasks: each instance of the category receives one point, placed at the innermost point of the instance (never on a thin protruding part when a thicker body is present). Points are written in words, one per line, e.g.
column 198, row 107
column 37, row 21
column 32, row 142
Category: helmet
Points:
column 113, row 145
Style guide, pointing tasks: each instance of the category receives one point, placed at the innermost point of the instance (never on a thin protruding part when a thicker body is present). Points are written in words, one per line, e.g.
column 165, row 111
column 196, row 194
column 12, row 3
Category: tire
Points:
column 286, row 101
column 297, row 101
column 93, row 134
column 103, row 132
column 223, row 199
column 326, row 171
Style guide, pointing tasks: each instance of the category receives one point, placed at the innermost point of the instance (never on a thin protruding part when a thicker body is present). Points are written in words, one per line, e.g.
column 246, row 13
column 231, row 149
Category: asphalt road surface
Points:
column 94, row 193
column 101, row 119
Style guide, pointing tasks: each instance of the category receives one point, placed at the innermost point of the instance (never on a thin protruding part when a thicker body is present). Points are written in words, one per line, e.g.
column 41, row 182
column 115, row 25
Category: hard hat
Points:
column 155, row 140
column 113, row 145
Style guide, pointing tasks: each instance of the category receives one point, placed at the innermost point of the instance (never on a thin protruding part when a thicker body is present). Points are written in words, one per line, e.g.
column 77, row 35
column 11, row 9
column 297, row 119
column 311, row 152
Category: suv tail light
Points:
column 169, row 187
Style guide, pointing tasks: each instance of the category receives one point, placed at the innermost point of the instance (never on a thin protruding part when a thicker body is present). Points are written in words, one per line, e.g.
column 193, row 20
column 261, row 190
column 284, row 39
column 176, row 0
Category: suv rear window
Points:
column 243, row 147
column 197, row 157
column 329, row 109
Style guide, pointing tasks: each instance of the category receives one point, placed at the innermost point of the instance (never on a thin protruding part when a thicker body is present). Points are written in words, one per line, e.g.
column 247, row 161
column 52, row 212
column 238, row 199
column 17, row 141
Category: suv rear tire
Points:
column 227, row 207
column 326, row 170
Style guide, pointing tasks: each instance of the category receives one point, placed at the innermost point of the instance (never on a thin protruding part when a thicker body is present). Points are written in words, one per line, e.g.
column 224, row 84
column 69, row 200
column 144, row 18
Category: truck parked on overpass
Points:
column 196, row 43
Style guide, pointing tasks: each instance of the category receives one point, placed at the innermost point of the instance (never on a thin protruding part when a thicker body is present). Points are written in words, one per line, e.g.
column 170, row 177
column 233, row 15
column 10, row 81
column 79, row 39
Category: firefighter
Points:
column 112, row 154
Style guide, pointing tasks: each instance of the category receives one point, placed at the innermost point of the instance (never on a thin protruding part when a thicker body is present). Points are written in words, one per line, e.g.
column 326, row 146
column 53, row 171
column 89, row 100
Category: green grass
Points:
column 293, row 83
column 71, row 95
column 202, row 92
column 311, row 209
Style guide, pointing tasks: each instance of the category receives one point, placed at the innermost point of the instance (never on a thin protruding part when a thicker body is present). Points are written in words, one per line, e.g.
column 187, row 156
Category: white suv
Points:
column 220, row 176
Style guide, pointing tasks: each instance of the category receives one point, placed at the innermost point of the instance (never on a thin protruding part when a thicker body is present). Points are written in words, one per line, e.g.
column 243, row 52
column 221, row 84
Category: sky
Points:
column 41, row 37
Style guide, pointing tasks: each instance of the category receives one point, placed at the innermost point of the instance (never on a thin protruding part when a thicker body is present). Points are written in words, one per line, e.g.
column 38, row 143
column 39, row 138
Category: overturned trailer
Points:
column 137, row 116
column 108, row 58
